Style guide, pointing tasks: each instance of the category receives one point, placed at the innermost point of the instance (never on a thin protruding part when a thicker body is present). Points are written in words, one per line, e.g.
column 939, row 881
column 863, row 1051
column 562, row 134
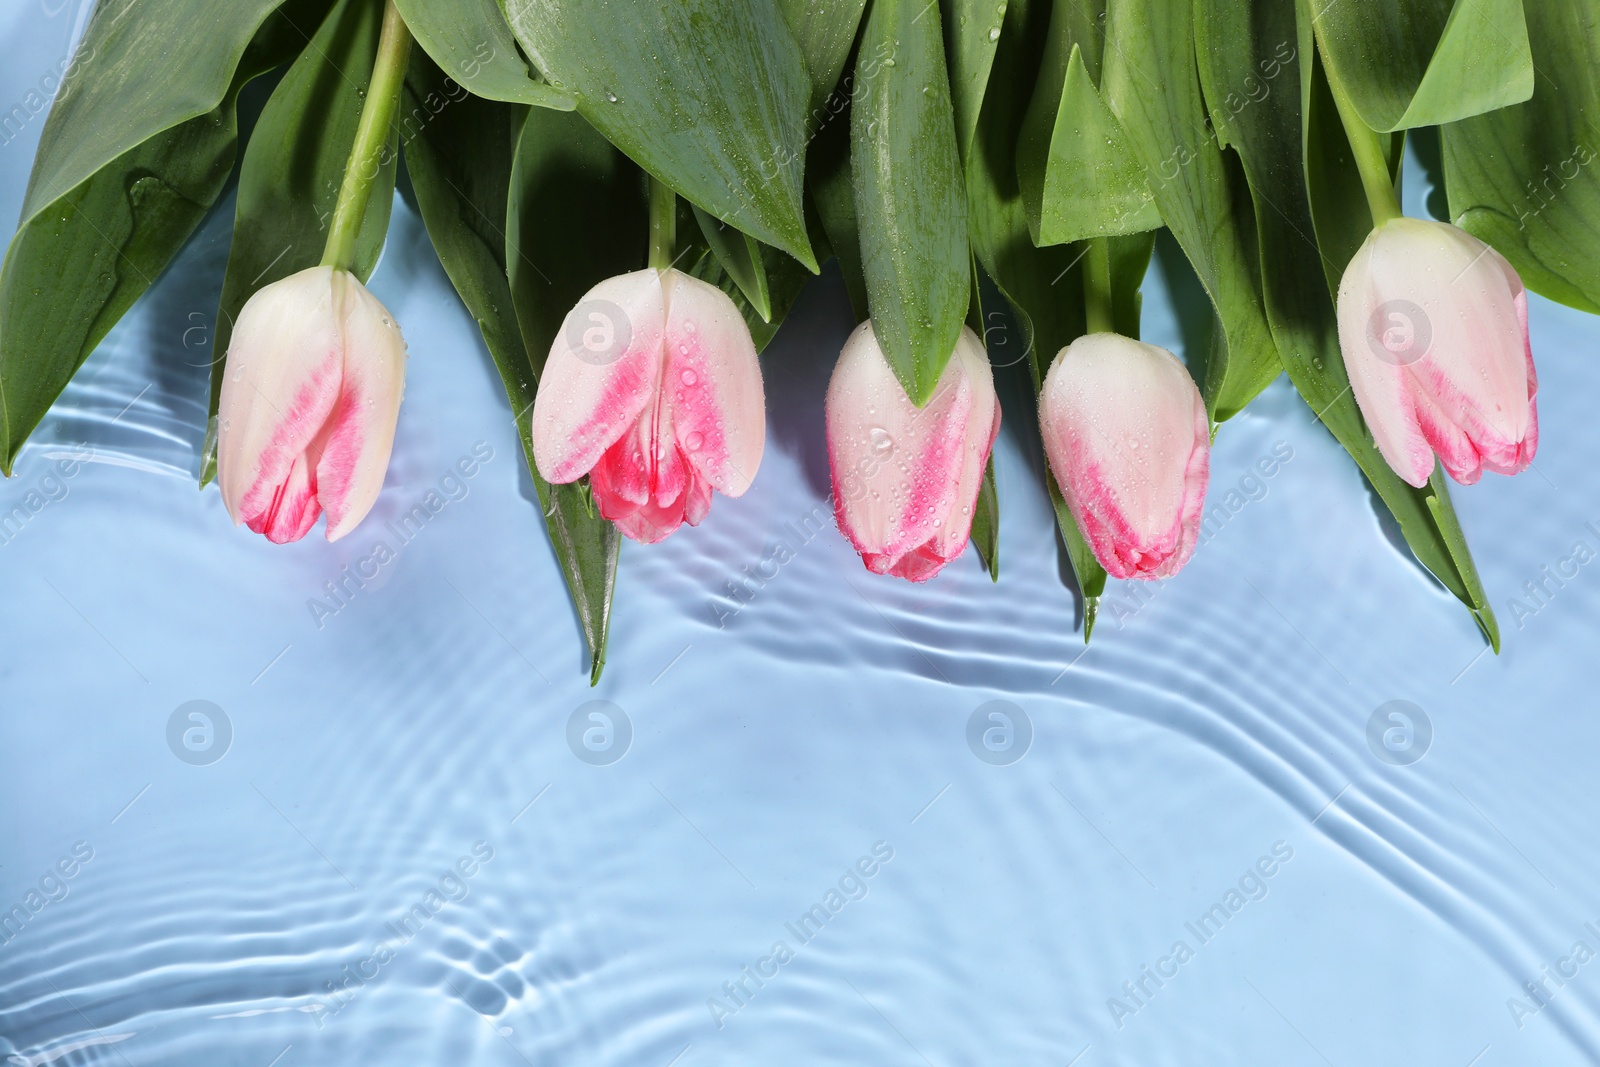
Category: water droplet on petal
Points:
column 694, row 441
column 689, row 376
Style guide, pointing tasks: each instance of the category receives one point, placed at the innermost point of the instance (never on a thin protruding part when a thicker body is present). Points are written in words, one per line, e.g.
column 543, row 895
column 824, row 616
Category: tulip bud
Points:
column 1128, row 439
column 906, row 479
column 1433, row 324
column 652, row 389
column 306, row 420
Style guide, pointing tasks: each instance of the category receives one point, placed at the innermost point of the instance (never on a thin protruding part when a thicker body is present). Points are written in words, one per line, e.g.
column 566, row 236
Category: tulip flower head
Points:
column 1128, row 439
column 309, row 402
column 652, row 389
column 1433, row 324
column 906, row 479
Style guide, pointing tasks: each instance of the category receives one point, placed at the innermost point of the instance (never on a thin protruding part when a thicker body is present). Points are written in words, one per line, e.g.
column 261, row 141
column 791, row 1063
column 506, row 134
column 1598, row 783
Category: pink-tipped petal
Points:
column 906, row 479
column 283, row 375
column 711, row 384
column 292, row 510
column 1378, row 377
column 603, row 370
column 354, row 456
column 1129, row 443
column 1433, row 326
column 983, row 426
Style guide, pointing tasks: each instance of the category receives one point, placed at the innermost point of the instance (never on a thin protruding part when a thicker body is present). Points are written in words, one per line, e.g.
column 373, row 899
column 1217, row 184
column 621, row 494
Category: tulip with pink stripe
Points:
column 1433, row 324
column 906, row 479
column 1128, row 439
column 309, row 402
column 652, row 388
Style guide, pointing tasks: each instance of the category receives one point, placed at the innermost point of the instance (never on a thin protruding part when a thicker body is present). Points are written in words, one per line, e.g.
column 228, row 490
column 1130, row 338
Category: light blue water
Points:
column 377, row 752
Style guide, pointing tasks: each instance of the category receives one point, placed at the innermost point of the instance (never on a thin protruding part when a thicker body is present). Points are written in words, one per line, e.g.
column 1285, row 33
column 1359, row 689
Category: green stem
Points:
column 1097, row 287
column 1366, row 144
column 372, row 140
column 663, row 225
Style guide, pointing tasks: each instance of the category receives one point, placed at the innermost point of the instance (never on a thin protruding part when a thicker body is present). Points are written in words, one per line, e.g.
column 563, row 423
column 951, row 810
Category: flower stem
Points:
column 372, row 140
column 1367, row 147
column 1097, row 287
column 663, row 225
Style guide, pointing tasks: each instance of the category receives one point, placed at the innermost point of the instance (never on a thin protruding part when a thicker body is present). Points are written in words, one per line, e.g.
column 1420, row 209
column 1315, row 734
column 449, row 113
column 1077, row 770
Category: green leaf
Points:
column 1153, row 87
column 709, row 97
column 1260, row 43
column 577, row 216
column 740, row 256
column 986, row 523
column 470, row 41
column 825, row 30
column 135, row 77
column 1079, row 175
column 290, row 179
column 461, row 168
column 834, row 197
column 1044, row 286
column 1521, row 178
column 910, row 202
column 971, row 38
column 986, row 513
column 79, row 263
column 1412, row 63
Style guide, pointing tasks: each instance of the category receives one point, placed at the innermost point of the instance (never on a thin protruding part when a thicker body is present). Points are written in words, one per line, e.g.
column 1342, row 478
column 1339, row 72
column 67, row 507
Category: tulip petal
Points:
column 354, row 455
column 293, row 509
column 713, row 402
column 896, row 468
column 1462, row 379
column 983, row 426
column 285, row 366
column 1129, row 443
column 1380, row 384
column 602, row 372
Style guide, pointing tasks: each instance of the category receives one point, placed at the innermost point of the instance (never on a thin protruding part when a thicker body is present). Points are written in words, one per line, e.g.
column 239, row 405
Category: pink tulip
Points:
column 906, row 479
column 309, row 402
column 652, row 389
column 1129, row 442
column 1433, row 324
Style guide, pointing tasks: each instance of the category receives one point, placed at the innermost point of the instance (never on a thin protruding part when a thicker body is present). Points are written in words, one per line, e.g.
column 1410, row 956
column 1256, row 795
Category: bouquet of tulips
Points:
column 629, row 194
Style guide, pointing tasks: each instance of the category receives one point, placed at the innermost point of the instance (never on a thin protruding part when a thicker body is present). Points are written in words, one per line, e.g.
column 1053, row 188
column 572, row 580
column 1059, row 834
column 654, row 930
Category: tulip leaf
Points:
column 577, row 216
column 740, row 256
column 986, row 511
column 1262, row 41
column 79, row 261
column 986, row 523
column 972, row 35
column 825, row 30
column 709, row 97
column 1522, row 179
column 293, row 168
column 1079, row 175
column 910, row 202
column 473, row 45
column 141, row 69
column 1044, row 286
column 1152, row 84
column 1409, row 63
column 834, row 197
